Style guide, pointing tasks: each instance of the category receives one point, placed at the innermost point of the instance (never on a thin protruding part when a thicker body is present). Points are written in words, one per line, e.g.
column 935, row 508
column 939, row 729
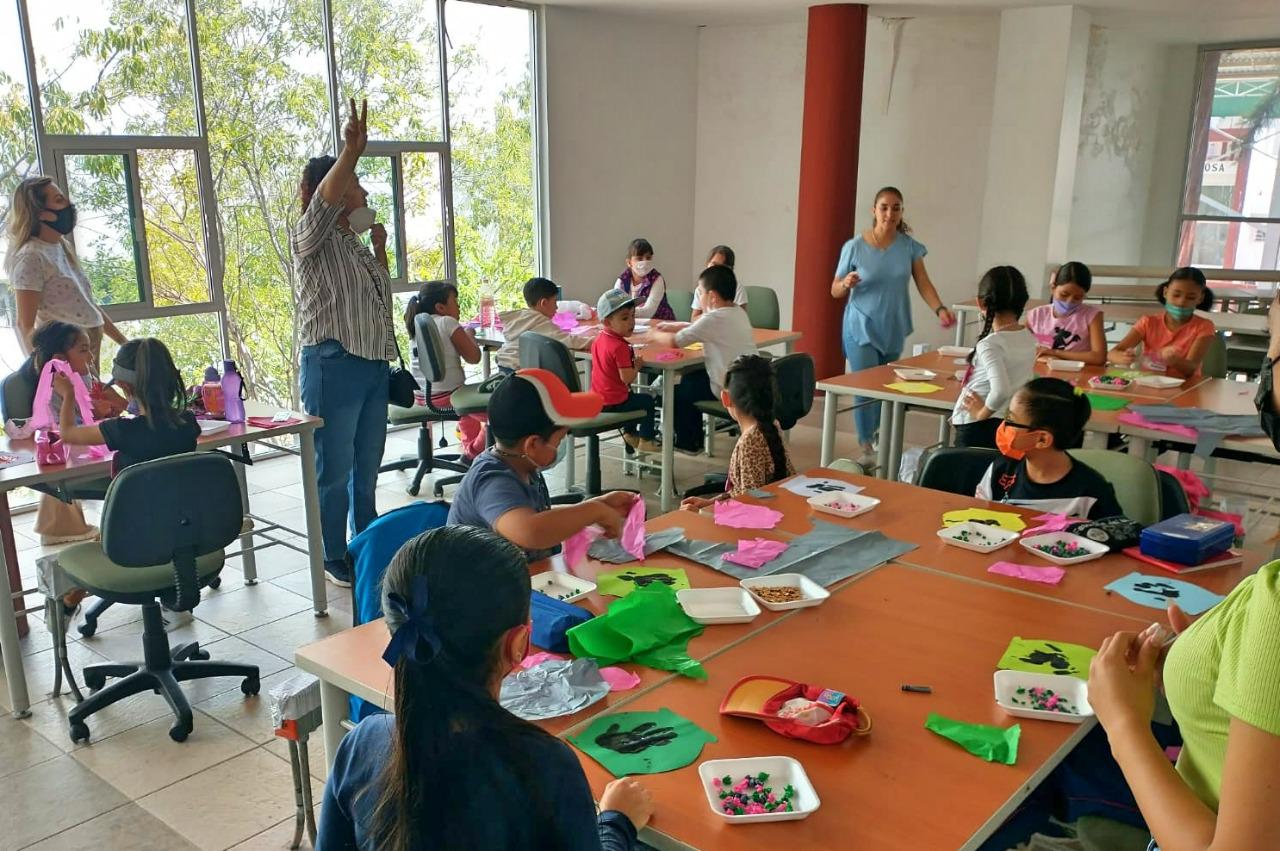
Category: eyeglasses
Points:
column 1011, row 424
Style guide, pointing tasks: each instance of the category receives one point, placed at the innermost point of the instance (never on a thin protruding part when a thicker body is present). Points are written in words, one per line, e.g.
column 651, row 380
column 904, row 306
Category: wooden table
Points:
column 671, row 372
column 901, row 786
column 872, row 383
column 237, row 435
column 914, row 514
column 1220, row 395
column 933, row 617
column 1125, row 314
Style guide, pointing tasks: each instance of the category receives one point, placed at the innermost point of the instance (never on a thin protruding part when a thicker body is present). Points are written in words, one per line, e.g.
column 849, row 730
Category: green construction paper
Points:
column 647, row 626
column 620, row 583
column 994, row 744
column 642, row 742
column 1003, row 519
column 1103, row 402
column 1042, row 656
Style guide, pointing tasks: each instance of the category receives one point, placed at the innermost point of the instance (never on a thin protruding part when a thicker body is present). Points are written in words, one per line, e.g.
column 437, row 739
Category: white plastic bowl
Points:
column 835, row 503
column 998, row 537
column 811, row 593
column 915, row 374
column 208, row 427
column 955, row 351
column 1116, row 385
column 718, row 605
column 564, row 587
column 1093, row 548
column 1073, row 689
column 1159, row 382
column 782, row 770
column 1059, row 365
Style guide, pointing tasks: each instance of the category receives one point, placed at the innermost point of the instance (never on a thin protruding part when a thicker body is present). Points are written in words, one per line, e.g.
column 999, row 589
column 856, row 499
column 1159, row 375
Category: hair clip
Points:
column 1079, row 391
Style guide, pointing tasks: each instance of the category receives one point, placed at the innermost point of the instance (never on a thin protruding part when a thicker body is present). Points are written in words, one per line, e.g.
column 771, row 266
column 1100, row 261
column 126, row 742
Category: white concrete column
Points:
column 1035, row 130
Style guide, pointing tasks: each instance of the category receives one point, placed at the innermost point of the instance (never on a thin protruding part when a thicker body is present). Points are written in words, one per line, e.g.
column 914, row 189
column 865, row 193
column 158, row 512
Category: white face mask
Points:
column 361, row 219
column 642, row 267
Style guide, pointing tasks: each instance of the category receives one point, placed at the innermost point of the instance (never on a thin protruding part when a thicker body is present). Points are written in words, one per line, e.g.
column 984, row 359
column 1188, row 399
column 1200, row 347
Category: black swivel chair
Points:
column 164, row 527
column 796, row 385
column 955, row 469
column 538, row 351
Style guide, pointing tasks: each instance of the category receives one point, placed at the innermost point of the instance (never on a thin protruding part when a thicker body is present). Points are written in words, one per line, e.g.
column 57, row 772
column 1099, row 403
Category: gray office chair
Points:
column 681, row 302
column 164, row 527
column 762, row 308
column 541, row 352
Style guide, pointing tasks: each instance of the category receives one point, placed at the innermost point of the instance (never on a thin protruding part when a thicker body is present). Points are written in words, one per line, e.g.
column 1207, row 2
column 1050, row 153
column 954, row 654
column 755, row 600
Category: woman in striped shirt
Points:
column 344, row 320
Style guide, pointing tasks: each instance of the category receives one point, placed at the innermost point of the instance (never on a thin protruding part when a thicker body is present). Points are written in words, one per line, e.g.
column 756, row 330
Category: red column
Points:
column 828, row 174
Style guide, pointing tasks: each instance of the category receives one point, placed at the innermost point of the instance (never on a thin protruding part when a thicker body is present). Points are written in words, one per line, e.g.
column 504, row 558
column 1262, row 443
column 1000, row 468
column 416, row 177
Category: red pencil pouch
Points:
column 761, row 698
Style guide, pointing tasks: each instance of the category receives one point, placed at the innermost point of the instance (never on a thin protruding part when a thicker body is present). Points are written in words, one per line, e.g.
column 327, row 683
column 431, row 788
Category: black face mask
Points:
column 65, row 220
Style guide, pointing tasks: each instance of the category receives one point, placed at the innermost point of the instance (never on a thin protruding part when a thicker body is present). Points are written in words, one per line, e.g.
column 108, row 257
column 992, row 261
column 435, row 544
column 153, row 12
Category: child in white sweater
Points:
column 1003, row 360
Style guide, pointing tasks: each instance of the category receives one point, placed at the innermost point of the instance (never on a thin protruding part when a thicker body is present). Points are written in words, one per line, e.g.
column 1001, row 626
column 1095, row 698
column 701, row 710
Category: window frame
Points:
column 51, row 150
column 1185, row 218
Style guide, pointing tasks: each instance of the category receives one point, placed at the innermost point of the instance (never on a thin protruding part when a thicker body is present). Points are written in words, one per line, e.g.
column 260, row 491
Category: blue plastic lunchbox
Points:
column 1187, row 539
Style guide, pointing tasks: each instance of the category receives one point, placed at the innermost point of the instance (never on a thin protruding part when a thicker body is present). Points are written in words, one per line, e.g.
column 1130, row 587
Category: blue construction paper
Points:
column 1157, row 592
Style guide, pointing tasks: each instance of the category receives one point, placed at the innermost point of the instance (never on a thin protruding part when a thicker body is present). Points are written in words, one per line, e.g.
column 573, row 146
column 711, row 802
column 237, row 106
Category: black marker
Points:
column 918, row 689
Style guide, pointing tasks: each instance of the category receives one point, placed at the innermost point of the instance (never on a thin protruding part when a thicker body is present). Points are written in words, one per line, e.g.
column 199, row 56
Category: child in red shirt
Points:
column 614, row 365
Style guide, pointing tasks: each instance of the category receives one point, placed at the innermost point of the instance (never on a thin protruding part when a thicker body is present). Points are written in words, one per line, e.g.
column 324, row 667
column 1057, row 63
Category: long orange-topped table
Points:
column 914, row 514
column 873, row 384
column 901, row 786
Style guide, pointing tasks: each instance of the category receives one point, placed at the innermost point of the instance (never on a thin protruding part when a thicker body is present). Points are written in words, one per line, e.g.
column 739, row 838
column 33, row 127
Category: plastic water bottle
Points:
column 211, row 392
column 232, row 392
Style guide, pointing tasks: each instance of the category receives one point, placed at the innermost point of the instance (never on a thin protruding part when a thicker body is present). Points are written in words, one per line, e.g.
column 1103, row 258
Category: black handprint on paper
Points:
column 641, row 738
column 1157, row 589
column 1056, row 660
column 645, row 579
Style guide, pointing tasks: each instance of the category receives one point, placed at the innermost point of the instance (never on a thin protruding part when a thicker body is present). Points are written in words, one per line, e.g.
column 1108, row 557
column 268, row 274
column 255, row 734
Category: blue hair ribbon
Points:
column 417, row 627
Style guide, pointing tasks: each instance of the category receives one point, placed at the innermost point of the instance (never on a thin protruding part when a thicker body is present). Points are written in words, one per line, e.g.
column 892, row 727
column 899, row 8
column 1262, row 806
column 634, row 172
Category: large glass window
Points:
column 1231, row 207
column 185, row 160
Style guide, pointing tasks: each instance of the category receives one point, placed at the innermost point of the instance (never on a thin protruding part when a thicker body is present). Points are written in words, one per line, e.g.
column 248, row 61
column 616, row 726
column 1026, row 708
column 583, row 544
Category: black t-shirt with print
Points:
column 1082, row 492
column 135, row 440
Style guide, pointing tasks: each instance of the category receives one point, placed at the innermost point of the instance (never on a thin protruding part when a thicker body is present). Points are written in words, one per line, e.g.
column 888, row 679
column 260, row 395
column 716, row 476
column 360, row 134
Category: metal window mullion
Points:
column 331, row 79
column 43, row 157
column 538, row 133
column 130, row 312
column 215, row 266
column 110, row 144
column 397, row 203
column 1248, row 220
column 446, row 156
column 142, row 253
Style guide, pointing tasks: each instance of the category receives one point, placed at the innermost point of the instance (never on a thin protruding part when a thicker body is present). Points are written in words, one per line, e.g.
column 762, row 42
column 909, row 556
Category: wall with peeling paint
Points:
column 1124, row 92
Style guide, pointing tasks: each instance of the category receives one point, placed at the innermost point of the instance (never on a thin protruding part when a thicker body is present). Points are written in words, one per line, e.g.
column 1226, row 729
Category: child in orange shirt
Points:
column 1176, row 339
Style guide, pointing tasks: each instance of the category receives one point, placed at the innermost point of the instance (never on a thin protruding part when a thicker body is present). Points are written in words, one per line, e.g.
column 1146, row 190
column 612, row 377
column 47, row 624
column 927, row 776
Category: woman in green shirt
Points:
column 1222, row 679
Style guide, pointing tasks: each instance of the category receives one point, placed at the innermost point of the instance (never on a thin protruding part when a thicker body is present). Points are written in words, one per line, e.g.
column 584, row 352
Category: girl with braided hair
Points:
column 760, row 457
column 1003, row 360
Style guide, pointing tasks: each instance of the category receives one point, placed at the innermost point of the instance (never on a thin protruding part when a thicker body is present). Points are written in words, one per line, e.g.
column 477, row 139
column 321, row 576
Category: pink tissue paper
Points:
column 1032, row 573
column 633, row 530
column 739, row 515
column 576, row 545
column 756, row 553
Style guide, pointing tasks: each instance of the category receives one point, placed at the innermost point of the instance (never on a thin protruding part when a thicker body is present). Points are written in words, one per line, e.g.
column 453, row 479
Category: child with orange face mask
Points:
column 1046, row 417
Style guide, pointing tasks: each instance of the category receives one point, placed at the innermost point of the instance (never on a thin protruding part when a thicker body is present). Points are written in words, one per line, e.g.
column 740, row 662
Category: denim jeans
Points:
column 350, row 394
column 694, row 386
column 637, row 402
column 865, row 356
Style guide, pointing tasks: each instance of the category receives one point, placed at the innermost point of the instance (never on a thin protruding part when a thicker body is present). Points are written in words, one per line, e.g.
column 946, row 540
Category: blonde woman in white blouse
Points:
column 46, row 277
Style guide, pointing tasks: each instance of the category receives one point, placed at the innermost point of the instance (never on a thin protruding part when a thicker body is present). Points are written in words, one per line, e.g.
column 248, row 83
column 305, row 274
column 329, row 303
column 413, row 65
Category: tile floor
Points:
column 228, row 786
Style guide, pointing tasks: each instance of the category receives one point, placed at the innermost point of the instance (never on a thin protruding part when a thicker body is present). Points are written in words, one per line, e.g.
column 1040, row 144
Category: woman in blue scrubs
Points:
column 872, row 275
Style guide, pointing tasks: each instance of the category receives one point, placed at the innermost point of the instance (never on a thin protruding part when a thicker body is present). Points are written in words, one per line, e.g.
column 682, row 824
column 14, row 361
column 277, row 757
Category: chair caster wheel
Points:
column 215, row 582
column 79, row 732
column 94, row 683
column 88, row 628
column 179, row 732
column 200, row 656
column 413, row 490
column 251, row 686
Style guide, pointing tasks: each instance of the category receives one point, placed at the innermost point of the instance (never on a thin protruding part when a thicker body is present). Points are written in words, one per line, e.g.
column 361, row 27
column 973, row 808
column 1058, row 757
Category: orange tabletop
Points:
column 893, row 626
column 914, row 514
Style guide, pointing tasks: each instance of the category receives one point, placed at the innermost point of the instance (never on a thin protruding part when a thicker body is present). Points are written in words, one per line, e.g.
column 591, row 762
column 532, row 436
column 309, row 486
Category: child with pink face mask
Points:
column 644, row 283
column 1067, row 328
column 1046, row 418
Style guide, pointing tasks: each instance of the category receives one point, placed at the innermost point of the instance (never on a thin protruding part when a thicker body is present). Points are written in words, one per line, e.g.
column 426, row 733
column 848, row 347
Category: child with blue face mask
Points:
column 1067, row 328
column 1176, row 340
